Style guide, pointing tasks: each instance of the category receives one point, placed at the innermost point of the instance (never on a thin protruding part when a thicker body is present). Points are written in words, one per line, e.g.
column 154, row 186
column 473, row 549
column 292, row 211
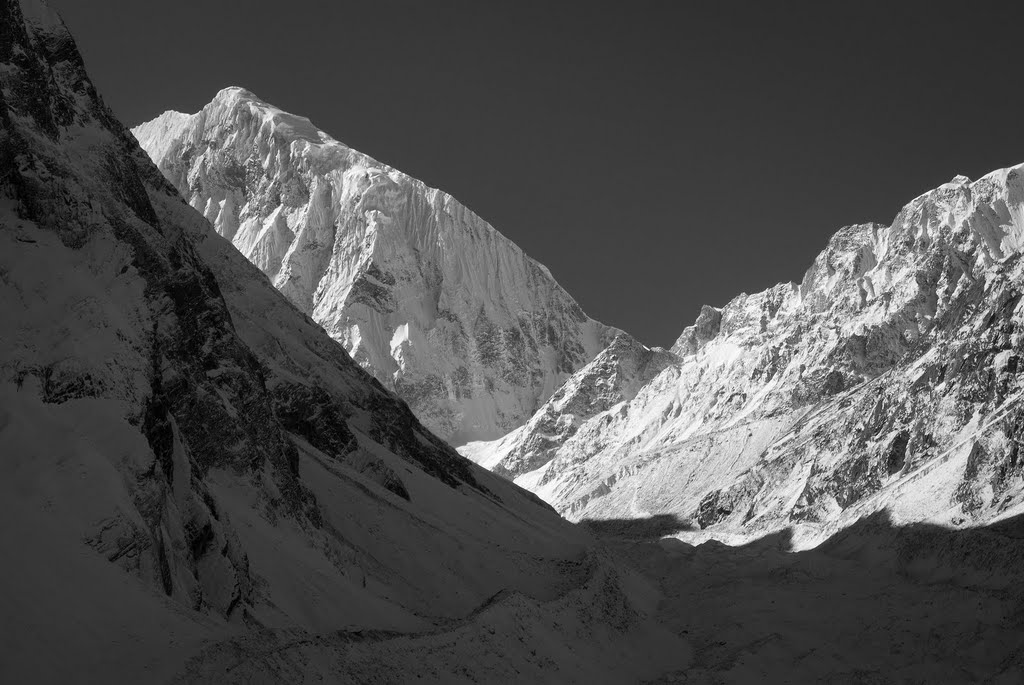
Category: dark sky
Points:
column 655, row 156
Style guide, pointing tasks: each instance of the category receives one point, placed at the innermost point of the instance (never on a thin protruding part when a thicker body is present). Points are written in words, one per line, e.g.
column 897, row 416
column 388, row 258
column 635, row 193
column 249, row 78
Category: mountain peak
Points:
column 422, row 292
column 957, row 181
column 236, row 92
column 232, row 99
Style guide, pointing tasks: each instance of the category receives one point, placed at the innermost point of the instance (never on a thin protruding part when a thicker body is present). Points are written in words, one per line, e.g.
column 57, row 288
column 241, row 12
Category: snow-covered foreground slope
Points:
column 888, row 378
column 423, row 293
column 187, row 460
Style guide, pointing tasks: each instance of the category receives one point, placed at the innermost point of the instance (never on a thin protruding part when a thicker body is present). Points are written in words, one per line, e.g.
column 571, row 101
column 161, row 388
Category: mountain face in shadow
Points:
column 190, row 466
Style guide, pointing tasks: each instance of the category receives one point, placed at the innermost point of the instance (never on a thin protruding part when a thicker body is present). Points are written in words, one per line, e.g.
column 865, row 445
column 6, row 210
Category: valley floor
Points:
column 874, row 604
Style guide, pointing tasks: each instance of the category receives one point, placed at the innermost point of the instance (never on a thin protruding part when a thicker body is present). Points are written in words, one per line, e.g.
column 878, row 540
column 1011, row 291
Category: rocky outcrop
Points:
column 423, row 293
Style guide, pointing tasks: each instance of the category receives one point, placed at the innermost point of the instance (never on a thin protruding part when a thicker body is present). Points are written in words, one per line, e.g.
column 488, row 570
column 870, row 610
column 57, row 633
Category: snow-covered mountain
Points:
column 889, row 378
column 198, row 484
column 614, row 376
column 422, row 292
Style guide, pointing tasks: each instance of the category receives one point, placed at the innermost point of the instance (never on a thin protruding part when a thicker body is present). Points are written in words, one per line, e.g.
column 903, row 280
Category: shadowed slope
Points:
column 188, row 459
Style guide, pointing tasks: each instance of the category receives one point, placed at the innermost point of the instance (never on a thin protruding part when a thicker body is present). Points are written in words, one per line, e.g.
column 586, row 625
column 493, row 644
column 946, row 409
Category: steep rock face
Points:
column 424, row 294
column 888, row 378
column 186, row 456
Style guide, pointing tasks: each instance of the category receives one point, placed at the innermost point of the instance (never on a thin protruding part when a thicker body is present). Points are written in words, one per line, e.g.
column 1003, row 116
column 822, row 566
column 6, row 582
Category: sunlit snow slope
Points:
column 888, row 378
column 423, row 293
